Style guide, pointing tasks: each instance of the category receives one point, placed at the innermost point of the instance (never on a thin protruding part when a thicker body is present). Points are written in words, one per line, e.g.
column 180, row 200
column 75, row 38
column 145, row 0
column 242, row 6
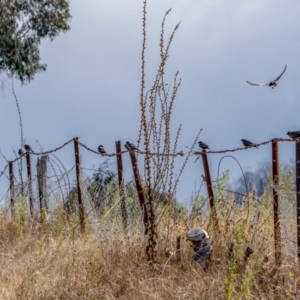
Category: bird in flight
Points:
column 203, row 145
column 101, row 149
column 271, row 84
column 294, row 134
column 248, row 144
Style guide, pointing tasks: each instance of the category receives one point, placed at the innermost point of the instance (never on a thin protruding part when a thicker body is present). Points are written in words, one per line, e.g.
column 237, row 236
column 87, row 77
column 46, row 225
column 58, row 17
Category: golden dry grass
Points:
column 44, row 264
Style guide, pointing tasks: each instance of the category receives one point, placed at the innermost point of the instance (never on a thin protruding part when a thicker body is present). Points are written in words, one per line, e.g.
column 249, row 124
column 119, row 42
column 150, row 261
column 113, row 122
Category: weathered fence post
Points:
column 178, row 248
column 210, row 191
column 139, row 188
column 298, row 194
column 41, row 168
column 79, row 194
column 121, row 185
column 29, row 178
column 275, row 174
column 11, row 188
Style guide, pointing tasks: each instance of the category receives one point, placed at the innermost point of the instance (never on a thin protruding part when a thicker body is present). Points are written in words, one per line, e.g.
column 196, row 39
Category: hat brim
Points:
column 194, row 239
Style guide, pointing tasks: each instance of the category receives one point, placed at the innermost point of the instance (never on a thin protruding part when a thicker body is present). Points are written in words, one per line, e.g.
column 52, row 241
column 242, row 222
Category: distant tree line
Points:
column 256, row 180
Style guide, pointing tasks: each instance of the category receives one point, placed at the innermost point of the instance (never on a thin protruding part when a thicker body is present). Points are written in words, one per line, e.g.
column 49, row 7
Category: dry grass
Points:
column 46, row 263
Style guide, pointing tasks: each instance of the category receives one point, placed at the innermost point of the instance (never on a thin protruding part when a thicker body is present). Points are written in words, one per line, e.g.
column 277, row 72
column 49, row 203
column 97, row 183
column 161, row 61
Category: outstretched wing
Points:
column 257, row 84
column 280, row 74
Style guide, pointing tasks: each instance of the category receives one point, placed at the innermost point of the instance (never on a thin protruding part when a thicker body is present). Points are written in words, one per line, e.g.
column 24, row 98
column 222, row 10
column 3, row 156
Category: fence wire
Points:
column 104, row 212
column 102, row 207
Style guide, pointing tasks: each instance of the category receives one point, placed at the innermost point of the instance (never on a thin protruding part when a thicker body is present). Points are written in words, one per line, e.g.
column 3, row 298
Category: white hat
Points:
column 197, row 234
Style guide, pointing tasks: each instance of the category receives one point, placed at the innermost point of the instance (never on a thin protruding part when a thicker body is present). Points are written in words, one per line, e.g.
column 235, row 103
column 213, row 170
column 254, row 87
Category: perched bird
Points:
column 101, row 149
column 131, row 146
column 248, row 144
column 271, row 84
column 20, row 152
column 181, row 153
column 203, row 145
column 294, row 134
column 27, row 148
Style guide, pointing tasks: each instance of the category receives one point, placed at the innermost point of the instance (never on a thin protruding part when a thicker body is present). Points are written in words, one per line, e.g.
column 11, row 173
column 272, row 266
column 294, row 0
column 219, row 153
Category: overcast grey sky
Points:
column 91, row 86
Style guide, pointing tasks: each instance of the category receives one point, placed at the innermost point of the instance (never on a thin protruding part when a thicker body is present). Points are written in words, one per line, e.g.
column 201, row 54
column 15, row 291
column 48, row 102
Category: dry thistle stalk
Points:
column 155, row 131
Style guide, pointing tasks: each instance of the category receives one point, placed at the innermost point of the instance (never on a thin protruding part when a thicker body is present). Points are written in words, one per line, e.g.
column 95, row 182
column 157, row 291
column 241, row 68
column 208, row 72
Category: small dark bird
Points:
column 248, row 144
column 271, row 84
column 294, row 134
column 181, row 153
column 101, row 149
column 20, row 152
column 131, row 146
column 27, row 148
column 203, row 145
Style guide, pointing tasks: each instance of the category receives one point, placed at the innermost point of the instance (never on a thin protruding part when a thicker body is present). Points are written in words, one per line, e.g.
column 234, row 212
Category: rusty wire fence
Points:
column 279, row 205
column 61, row 189
column 123, row 208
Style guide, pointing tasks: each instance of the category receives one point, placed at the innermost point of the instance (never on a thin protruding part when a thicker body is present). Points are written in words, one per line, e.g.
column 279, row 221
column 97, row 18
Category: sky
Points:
column 92, row 83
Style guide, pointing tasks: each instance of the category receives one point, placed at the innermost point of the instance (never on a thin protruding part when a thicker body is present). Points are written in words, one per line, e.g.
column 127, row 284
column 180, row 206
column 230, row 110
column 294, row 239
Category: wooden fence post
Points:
column 298, row 194
column 139, row 188
column 210, row 191
column 41, row 168
column 121, row 185
column 277, row 232
column 11, row 188
column 79, row 194
column 29, row 179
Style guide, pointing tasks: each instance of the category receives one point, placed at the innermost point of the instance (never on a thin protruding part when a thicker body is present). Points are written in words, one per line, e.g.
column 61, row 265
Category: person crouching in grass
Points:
column 199, row 242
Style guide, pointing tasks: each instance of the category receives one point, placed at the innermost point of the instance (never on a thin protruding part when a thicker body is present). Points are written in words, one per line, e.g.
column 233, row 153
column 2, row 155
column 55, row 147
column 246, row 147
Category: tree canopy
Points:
column 23, row 24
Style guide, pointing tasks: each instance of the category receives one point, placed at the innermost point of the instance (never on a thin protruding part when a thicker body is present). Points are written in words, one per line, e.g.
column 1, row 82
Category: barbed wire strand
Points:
column 54, row 150
column 180, row 153
column 245, row 148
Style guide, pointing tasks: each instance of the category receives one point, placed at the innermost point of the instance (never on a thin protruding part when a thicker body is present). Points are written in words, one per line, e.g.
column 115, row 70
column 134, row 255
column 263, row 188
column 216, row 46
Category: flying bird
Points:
column 101, row 149
column 271, row 84
column 248, row 144
column 203, row 145
column 294, row 134
column 27, row 148
column 131, row 146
